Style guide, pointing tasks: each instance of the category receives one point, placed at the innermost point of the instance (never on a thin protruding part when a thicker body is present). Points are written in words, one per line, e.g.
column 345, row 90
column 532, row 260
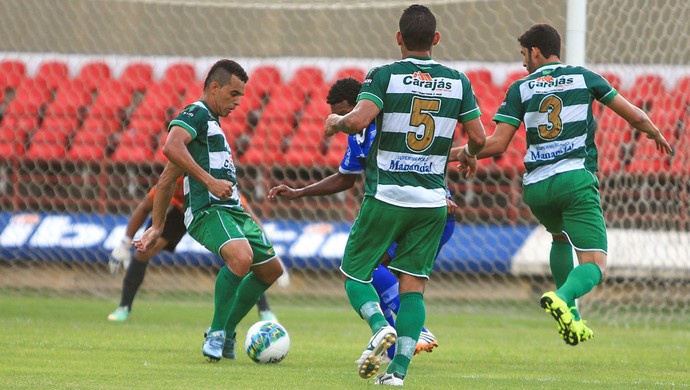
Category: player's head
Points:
column 417, row 28
column 342, row 97
column 538, row 44
column 224, row 86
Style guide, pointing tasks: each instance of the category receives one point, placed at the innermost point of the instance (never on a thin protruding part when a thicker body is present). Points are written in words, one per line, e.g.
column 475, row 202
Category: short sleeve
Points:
column 469, row 109
column 374, row 86
column 190, row 119
column 599, row 87
column 511, row 110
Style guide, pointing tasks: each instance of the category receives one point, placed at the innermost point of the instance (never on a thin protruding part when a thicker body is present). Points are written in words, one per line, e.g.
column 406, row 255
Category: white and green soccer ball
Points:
column 267, row 342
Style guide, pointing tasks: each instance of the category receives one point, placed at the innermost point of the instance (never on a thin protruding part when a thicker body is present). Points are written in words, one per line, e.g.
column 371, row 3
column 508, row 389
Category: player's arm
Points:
column 161, row 200
column 359, row 118
column 175, row 149
column 332, row 184
column 640, row 121
column 139, row 216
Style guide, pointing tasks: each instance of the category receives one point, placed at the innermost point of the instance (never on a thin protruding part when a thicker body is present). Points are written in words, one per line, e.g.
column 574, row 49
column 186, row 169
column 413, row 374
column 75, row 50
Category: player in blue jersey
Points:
column 342, row 98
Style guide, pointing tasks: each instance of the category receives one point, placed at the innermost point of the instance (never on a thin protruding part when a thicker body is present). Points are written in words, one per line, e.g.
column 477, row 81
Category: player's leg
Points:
column 414, row 260
column 264, row 308
column 365, row 246
column 265, row 270
column 134, row 277
column 569, row 202
column 218, row 232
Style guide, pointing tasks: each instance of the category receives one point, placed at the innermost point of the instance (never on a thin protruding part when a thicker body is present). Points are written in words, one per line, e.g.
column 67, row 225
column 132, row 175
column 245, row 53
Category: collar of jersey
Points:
column 419, row 60
column 550, row 65
column 204, row 105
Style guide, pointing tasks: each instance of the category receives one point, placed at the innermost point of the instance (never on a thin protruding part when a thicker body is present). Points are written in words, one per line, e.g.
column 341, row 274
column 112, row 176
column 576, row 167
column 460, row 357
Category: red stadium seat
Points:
column 646, row 90
column 335, row 149
column 30, row 99
column 304, row 152
column 150, row 127
column 192, row 93
column 158, row 155
column 93, row 74
column 350, row 72
column 647, row 160
column 52, row 73
column 60, row 125
column 481, row 79
column 47, row 144
column 511, row 77
column 234, row 125
column 316, row 109
column 265, row 150
column 262, row 80
column 71, row 98
column 159, row 99
column 285, row 99
column 134, row 147
column 179, row 75
column 137, row 76
column 101, row 125
column 113, row 100
column 274, row 127
column 308, row 79
column 11, row 73
column 14, row 132
column 88, row 145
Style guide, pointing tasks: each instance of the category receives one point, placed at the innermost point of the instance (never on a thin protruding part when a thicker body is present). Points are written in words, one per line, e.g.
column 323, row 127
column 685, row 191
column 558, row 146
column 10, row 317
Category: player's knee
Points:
column 560, row 237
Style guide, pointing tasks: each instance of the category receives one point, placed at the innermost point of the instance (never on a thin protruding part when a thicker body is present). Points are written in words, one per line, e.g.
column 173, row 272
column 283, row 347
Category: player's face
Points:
column 341, row 108
column 527, row 60
column 228, row 96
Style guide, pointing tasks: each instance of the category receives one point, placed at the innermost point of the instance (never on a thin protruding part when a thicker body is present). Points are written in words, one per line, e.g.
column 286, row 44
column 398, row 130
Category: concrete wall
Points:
column 620, row 31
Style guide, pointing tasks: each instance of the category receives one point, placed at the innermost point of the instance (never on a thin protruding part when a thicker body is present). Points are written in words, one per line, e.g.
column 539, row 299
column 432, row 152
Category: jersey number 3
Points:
column 552, row 106
column 421, row 116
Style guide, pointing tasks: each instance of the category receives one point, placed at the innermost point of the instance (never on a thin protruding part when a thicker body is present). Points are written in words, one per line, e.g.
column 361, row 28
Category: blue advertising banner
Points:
column 306, row 245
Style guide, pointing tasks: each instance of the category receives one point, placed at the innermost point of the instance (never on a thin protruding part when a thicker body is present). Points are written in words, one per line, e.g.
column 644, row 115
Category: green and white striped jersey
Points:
column 421, row 102
column 555, row 103
column 210, row 149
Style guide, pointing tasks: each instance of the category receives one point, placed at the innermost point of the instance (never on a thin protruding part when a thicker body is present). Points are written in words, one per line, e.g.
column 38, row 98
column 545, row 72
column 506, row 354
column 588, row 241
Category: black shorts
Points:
column 174, row 228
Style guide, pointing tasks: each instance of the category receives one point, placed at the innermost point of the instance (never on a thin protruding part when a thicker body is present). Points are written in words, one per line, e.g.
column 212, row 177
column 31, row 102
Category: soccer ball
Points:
column 267, row 342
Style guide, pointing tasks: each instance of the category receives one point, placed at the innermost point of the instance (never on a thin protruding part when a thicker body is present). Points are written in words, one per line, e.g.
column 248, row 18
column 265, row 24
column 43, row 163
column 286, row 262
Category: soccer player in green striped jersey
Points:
column 196, row 147
column 416, row 104
column 560, row 186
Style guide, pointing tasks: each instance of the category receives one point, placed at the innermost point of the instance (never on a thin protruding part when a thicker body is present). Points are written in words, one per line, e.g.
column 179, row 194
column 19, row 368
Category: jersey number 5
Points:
column 421, row 109
column 552, row 106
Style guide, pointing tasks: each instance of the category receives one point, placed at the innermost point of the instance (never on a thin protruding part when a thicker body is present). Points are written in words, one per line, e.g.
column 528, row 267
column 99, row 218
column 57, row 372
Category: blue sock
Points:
column 386, row 285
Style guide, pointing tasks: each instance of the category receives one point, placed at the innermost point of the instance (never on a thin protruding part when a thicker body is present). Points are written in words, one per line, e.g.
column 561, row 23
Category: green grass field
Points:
column 60, row 343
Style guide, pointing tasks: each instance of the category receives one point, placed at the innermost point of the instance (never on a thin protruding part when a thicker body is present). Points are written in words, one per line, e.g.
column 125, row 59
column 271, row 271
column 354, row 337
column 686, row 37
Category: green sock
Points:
column 408, row 323
column 248, row 295
column 227, row 284
column 365, row 301
column 581, row 280
column 561, row 261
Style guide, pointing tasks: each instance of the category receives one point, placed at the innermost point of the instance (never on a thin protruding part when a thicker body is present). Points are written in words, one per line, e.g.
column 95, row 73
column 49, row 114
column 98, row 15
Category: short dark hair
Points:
column 344, row 89
column 222, row 71
column 544, row 37
column 417, row 27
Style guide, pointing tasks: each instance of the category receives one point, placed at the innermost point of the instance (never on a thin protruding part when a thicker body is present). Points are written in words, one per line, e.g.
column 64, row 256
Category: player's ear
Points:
column 437, row 38
column 398, row 38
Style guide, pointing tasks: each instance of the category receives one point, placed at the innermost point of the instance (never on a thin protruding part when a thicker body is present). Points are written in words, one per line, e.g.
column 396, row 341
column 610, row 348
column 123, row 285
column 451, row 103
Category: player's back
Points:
column 420, row 101
column 555, row 104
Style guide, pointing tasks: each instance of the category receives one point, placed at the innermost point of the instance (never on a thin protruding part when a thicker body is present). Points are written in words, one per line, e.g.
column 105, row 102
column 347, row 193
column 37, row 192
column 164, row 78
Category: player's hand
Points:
column 147, row 240
column 467, row 164
column 283, row 191
column 331, row 124
column 451, row 206
column 121, row 254
column 662, row 144
column 221, row 189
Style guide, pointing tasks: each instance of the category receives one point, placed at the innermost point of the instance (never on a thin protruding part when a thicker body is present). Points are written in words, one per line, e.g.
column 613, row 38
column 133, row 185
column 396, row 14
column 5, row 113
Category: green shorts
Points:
column 569, row 203
column 216, row 226
column 378, row 225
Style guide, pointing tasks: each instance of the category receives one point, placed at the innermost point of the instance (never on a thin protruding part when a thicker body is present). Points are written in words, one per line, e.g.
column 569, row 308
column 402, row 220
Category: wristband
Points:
column 467, row 151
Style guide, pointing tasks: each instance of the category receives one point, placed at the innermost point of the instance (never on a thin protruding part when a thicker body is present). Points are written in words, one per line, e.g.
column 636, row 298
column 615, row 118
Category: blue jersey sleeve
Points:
column 351, row 163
